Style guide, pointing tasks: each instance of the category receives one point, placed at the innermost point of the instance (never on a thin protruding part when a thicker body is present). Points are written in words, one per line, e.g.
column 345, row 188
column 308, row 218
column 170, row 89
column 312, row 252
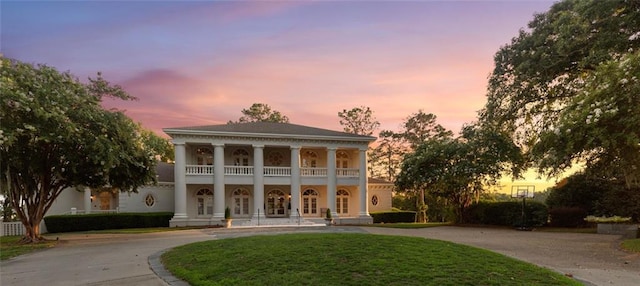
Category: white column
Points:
column 258, row 180
column 364, row 192
column 295, row 181
column 87, row 200
column 180, row 195
column 332, row 180
column 218, row 181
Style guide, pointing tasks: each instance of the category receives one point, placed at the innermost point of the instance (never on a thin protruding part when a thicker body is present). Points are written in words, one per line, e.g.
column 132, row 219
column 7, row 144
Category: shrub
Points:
column 69, row 223
column 567, row 217
column 393, row 217
column 506, row 213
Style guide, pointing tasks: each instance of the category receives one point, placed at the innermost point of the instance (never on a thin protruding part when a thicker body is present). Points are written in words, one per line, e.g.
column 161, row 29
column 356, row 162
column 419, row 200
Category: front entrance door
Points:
column 276, row 204
column 105, row 201
column 240, row 202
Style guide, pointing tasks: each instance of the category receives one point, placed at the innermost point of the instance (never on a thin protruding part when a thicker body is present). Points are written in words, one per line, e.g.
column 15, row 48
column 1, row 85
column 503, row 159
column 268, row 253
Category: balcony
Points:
column 207, row 170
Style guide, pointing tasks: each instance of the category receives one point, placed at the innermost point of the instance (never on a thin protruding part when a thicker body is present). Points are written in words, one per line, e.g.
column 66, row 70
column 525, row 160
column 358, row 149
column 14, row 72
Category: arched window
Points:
column 276, row 203
column 240, row 198
column 309, row 202
column 275, row 158
column 241, row 157
column 342, row 201
column 309, row 159
column 342, row 159
column 204, row 199
column 204, row 156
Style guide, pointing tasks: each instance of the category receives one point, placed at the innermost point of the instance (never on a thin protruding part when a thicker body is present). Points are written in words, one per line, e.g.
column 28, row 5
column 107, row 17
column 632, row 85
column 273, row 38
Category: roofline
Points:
column 179, row 131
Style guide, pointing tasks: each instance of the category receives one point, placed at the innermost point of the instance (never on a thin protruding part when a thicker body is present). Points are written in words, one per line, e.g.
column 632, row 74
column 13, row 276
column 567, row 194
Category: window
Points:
column 374, row 200
column 275, row 158
column 310, row 202
column 205, row 202
column 309, row 159
column 204, row 156
column 342, row 159
column 342, row 202
column 241, row 157
column 240, row 198
column 149, row 200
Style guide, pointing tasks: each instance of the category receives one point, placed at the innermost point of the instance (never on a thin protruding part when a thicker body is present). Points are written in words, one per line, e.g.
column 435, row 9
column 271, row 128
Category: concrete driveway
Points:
column 109, row 259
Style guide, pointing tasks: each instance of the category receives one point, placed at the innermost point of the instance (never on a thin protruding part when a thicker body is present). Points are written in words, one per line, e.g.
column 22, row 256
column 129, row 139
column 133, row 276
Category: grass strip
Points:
column 631, row 245
column 10, row 246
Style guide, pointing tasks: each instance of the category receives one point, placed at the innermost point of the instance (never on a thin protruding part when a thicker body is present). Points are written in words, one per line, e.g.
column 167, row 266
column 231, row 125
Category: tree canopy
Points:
column 358, row 120
column 55, row 135
column 459, row 169
column 260, row 112
column 567, row 90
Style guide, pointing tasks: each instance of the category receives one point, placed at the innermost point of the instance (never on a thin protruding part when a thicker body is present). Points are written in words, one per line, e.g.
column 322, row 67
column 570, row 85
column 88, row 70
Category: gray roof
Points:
column 164, row 172
column 266, row 128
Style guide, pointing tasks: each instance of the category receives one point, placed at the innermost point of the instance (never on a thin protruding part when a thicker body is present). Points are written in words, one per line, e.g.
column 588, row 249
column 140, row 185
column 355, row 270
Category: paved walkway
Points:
column 120, row 259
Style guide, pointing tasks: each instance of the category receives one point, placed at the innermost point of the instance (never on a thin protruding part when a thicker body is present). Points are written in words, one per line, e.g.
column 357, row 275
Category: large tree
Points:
column 417, row 129
column 358, row 120
column 460, row 169
column 387, row 155
column 55, row 135
column 566, row 89
column 260, row 112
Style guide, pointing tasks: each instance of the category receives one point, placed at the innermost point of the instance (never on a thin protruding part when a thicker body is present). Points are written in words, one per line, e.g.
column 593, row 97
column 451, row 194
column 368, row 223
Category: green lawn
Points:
column 349, row 259
column 10, row 246
column 632, row 245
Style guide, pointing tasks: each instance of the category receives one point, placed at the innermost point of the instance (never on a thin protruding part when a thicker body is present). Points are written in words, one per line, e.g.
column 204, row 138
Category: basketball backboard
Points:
column 523, row 191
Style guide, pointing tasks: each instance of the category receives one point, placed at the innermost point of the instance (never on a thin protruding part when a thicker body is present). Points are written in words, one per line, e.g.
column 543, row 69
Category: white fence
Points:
column 12, row 228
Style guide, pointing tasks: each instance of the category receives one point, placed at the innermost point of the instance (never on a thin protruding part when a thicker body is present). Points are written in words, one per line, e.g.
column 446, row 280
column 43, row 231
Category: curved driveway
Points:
column 110, row 259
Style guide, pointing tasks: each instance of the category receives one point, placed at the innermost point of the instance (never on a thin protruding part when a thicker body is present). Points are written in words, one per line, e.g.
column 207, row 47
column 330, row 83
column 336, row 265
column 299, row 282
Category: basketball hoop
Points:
column 523, row 192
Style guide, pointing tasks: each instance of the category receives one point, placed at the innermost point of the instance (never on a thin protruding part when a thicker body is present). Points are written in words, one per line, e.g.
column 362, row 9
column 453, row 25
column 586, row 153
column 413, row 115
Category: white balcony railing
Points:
column 347, row 172
column 238, row 170
column 199, row 170
column 313, row 172
column 277, row 171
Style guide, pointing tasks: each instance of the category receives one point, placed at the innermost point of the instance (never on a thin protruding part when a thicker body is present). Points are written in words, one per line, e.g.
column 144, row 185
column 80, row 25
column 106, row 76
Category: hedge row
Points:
column 393, row 217
column 70, row 223
column 567, row 217
column 506, row 213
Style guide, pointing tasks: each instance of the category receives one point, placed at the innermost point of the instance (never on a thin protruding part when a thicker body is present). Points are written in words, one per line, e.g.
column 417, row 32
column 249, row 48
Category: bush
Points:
column 70, row 223
column 393, row 217
column 567, row 217
column 506, row 213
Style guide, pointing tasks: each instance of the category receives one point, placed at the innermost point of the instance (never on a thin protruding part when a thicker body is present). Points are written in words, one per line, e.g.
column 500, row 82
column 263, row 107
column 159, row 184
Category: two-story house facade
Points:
column 265, row 170
column 266, row 173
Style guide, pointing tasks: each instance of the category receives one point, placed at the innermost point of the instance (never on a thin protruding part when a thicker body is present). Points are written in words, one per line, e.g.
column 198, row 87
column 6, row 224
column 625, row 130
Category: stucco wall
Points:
column 69, row 198
column 383, row 192
column 163, row 195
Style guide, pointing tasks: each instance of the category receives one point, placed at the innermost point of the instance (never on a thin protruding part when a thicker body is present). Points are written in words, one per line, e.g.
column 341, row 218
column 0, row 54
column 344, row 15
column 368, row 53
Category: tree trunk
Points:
column 32, row 234
column 422, row 208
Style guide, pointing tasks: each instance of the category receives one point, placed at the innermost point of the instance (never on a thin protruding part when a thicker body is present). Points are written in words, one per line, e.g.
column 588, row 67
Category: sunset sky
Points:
column 202, row 62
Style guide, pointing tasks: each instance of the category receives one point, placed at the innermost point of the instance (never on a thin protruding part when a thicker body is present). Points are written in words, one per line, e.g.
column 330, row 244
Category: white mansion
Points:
column 266, row 173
